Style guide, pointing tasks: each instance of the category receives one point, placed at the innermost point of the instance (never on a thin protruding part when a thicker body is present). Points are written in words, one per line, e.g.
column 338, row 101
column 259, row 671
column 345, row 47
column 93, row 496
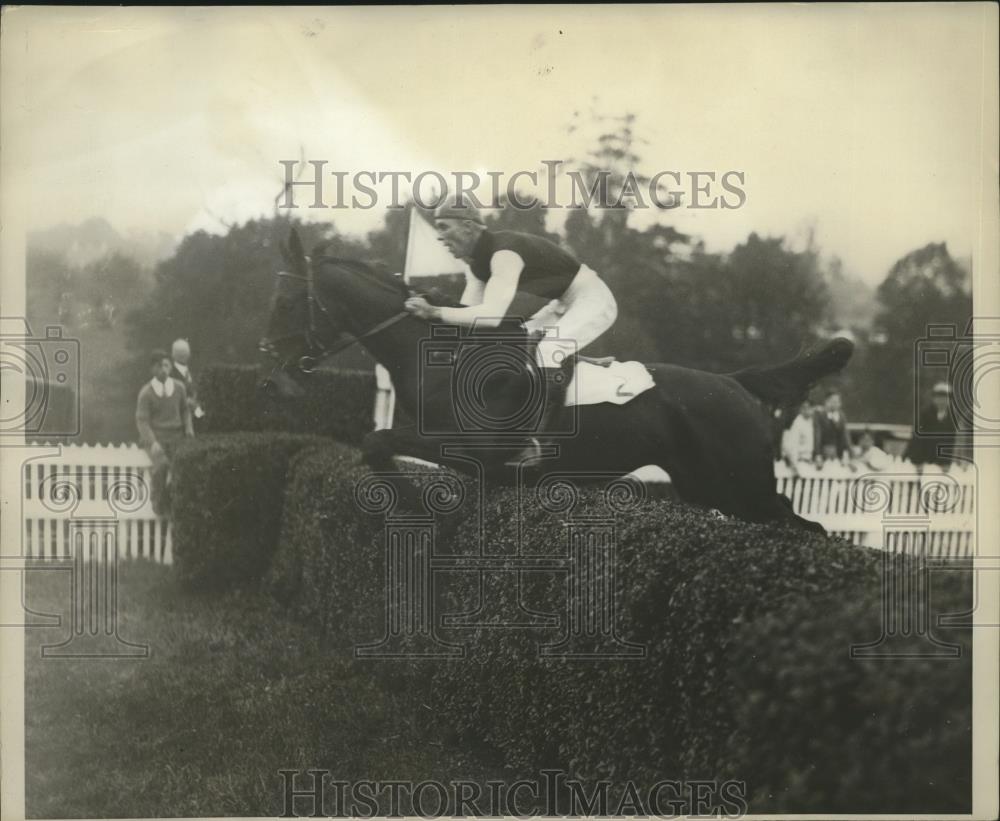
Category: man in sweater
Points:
column 163, row 419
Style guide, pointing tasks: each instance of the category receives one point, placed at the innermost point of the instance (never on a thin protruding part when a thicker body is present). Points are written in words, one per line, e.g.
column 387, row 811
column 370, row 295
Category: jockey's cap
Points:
column 460, row 209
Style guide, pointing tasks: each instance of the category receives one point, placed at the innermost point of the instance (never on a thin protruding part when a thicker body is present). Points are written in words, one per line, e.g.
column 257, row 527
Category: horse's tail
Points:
column 788, row 384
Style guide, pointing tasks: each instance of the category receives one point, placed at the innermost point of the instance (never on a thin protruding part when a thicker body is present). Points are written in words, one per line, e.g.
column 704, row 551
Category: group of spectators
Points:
column 165, row 413
column 818, row 435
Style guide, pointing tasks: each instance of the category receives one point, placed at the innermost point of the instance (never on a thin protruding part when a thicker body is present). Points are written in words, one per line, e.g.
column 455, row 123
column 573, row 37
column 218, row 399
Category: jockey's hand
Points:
column 420, row 307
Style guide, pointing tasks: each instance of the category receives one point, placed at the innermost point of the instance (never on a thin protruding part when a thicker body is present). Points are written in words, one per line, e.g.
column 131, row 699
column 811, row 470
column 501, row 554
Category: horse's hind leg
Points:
column 657, row 483
column 377, row 450
column 787, row 513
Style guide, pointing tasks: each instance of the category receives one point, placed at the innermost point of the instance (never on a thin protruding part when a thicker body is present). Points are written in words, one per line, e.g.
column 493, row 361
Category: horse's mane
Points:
column 357, row 266
column 435, row 296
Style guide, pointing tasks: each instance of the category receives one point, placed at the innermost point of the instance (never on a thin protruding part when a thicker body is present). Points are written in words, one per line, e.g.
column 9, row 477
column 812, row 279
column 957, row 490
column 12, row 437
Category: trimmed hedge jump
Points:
column 744, row 632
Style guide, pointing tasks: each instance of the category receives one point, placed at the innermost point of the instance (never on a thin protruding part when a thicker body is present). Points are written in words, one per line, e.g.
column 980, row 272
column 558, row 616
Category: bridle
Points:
column 316, row 351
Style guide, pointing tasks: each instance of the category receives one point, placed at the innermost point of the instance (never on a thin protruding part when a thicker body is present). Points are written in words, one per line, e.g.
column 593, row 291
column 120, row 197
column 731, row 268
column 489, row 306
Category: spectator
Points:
column 936, row 435
column 832, row 441
column 779, row 423
column 180, row 353
column 869, row 457
column 163, row 419
column 798, row 443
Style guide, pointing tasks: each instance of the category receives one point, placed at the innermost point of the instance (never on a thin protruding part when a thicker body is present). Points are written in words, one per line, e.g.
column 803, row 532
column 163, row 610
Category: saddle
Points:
column 606, row 380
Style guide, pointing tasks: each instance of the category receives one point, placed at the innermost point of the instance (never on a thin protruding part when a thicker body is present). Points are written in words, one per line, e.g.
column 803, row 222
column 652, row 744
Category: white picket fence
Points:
column 90, row 496
column 899, row 507
column 93, row 496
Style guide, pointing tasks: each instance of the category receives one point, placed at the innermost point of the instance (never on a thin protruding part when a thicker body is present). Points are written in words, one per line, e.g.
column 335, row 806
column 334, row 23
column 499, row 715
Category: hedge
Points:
column 903, row 740
column 329, row 565
column 746, row 674
column 323, row 567
column 338, row 403
column 227, row 495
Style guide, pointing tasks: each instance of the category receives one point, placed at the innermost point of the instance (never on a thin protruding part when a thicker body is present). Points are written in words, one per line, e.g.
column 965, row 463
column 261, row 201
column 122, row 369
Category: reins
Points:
column 354, row 340
column 308, row 363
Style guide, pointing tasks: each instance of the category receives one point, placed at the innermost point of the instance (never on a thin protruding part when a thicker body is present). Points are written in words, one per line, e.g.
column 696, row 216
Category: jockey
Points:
column 502, row 263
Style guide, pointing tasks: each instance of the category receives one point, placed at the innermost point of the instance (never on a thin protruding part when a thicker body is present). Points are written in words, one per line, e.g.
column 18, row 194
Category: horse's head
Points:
column 316, row 306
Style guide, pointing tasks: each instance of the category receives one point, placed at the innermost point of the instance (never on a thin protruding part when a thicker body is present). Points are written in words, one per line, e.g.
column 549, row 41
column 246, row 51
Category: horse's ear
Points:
column 297, row 255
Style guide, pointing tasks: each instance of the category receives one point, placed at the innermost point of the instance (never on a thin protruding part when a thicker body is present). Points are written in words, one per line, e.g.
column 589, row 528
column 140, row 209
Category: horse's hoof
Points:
column 718, row 515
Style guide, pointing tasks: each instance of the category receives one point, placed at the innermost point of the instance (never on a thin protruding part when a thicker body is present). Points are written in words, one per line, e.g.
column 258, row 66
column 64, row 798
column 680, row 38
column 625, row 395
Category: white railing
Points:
column 899, row 504
column 91, row 497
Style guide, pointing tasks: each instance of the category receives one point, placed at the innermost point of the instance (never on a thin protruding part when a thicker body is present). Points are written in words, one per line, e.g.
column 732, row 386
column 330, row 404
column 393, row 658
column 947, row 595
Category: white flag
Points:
column 426, row 255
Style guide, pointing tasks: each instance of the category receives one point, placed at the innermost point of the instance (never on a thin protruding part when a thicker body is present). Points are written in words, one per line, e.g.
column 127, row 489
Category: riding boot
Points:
column 555, row 383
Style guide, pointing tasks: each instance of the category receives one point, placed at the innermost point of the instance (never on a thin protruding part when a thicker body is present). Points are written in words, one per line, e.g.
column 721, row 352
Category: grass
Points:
column 230, row 693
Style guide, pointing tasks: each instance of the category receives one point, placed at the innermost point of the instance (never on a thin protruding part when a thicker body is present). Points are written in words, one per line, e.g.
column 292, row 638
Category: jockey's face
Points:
column 459, row 236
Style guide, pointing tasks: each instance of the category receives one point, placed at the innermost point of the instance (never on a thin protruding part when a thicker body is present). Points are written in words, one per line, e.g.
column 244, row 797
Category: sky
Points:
column 864, row 125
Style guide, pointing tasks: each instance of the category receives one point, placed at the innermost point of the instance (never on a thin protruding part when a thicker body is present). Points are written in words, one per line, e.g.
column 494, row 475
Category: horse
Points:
column 711, row 433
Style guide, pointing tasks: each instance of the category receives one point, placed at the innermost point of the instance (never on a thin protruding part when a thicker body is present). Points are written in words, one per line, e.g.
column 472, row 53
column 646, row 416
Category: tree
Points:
column 48, row 277
column 852, row 300
column 777, row 300
column 388, row 244
column 215, row 289
column 925, row 287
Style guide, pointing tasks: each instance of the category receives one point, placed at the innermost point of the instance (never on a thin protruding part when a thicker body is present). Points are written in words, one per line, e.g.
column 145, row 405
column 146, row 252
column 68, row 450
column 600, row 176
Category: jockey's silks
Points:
column 548, row 269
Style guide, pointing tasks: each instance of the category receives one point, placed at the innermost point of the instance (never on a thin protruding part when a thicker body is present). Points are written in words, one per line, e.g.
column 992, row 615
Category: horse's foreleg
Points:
column 379, row 447
column 484, row 457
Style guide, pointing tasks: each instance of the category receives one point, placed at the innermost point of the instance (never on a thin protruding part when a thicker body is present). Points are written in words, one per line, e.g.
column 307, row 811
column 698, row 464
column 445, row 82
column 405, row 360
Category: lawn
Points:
column 230, row 693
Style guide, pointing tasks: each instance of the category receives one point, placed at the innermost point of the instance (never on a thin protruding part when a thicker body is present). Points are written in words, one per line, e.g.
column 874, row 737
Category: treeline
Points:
column 89, row 299
column 758, row 303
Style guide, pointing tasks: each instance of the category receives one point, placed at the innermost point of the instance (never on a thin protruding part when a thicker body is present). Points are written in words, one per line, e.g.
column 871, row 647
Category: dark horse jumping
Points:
column 710, row 432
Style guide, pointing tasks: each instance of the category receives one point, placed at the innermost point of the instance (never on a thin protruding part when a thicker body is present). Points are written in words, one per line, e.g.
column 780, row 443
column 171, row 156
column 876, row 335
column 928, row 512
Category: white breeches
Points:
column 582, row 314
